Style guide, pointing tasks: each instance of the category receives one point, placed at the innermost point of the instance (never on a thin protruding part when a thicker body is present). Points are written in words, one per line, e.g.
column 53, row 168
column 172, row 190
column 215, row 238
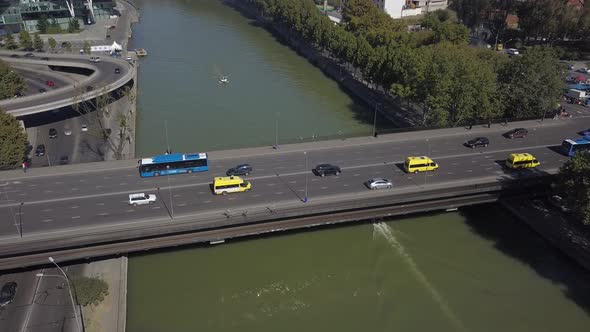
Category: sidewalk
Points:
column 111, row 314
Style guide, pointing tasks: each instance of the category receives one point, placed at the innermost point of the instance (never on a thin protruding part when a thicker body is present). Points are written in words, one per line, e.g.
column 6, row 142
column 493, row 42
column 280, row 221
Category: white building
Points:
column 403, row 8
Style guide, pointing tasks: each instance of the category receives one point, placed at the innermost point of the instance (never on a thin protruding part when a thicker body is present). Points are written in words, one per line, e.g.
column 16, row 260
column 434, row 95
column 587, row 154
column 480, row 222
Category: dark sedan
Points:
column 243, row 169
column 29, row 55
column 52, row 133
column 517, row 133
column 40, row 150
column 326, row 169
column 477, row 142
column 7, row 293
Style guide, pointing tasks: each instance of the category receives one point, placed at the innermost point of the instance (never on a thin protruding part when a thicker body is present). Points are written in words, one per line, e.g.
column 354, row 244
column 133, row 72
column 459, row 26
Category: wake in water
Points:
column 382, row 229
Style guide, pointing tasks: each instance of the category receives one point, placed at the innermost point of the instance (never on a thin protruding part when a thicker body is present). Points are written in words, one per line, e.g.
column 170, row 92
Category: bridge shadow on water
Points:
column 516, row 240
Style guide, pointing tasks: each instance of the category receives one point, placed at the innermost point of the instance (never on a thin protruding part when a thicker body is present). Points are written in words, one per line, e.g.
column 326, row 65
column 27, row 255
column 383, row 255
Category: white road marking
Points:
column 279, row 193
column 99, row 186
column 76, row 217
column 123, row 183
column 292, row 182
column 231, row 198
column 181, row 204
column 47, row 220
column 74, row 207
column 324, row 187
column 103, row 214
column 47, row 210
column 255, row 195
column 32, row 185
column 206, row 202
column 130, row 211
column 100, row 204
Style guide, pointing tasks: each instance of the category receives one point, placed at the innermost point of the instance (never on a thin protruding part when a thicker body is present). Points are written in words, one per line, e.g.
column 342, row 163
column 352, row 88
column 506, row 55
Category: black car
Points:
column 45, row 58
column 517, row 133
column 243, row 169
column 52, row 133
column 89, row 88
column 117, row 71
column 40, row 151
column 64, row 160
column 42, row 90
column 29, row 55
column 326, row 169
column 478, row 141
column 15, row 56
column 7, row 293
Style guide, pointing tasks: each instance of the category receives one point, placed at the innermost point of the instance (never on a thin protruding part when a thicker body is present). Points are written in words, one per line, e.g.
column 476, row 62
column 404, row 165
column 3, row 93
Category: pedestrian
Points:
column 470, row 125
column 505, row 122
column 25, row 165
column 489, row 123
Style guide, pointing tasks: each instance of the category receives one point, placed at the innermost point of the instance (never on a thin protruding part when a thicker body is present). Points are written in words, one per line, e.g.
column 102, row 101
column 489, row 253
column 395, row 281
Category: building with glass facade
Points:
column 17, row 15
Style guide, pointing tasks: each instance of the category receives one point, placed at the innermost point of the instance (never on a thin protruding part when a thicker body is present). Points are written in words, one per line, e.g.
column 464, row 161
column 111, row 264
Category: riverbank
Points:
column 389, row 106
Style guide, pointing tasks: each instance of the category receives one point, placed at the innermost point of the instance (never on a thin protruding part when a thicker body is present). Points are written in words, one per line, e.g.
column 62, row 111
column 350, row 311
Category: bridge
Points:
column 80, row 211
column 101, row 77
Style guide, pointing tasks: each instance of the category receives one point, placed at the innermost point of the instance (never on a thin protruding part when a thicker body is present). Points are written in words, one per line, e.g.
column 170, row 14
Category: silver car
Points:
column 378, row 183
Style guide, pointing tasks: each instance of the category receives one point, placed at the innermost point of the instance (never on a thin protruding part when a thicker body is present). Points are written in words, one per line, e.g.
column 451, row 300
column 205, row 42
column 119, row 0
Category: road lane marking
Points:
column 207, row 202
column 47, row 210
column 76, row 217
column 279, row 193
column 47, row 220
column 100, row 204
column 103, row 214
column 74, row 207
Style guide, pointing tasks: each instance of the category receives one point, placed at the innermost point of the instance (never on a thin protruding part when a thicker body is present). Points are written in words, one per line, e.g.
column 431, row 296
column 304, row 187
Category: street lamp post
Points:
column 306, row 171
column 65, row 276
column 20, row 219
column 170, row 191
column 277, row 131
column 375, row 120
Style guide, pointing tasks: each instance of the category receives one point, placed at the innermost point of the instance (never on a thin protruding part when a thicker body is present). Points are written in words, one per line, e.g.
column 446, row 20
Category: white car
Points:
column 584, row 70
column 67, row 131
column 95, row 59
column 84, row 127
column 141, row 199
column 512, row 51
column 379, row 183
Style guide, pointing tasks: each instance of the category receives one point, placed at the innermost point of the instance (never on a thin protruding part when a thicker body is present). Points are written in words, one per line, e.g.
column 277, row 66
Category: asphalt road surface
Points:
column 90, row 199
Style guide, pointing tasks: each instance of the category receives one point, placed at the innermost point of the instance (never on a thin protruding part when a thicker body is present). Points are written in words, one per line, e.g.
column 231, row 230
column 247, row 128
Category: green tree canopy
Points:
column 38, row 43
column 86, row 47
column 573, row 184
column 11, row 83
column 52, row 43
column 73, row 25
column 90, row 290
column 12, row 142
column 10, row 43
column 25, row 41
column 42, row 24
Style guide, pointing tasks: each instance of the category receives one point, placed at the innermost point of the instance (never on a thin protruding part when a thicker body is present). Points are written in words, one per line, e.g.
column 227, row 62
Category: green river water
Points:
column 478, row 269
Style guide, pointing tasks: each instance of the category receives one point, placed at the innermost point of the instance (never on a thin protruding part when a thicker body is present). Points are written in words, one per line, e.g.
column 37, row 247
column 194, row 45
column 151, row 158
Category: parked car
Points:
column 478, row 141
column 50, row 83
column 117, row 71
column 84, row 127
column 243, row 169
column 15, row 56
column 326, row 169
column 378, row 183
column 7, row 293
column 512, row 51
column 583, row 70
column 29, row 55
column 64, row 160
column 52, row 133
column 141, row 199
column 517, row 133
column 40, row 150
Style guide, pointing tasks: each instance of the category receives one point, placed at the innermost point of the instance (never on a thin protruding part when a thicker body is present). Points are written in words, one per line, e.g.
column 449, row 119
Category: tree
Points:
column 90, row 290
column 24, row 39
column 10, row 43
column 13, row 142
column 38, row 43
column 11, row 83
column 68, row 46
column 472, row 13
column 86, row 47
column 531, row 84
column 42, row 24
column 52, row 43
column 573, row 184
column 73, row 25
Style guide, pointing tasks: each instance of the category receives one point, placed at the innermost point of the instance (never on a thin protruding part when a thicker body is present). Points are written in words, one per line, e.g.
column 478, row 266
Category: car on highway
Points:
column 40, row 150
column 521, row 160
column 89, row 88
column 378, row 183
column 141, row 199
column 478, row 141
column 419, row 164
column 7, row 293
column 326, row 169
column 29, row 55
column 52, row 133
column 67, row 131
column 15, row 56
column 117, row 71
column 242, row 169
column 45, row 58
column 94, row 59
column 517, row 133
column 64, row 160
column 84, row 127
column 49, row 83
column 42, row 90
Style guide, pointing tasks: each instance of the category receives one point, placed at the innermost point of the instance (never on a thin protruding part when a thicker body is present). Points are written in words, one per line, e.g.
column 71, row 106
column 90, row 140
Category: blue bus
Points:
column 570, row 146
column 174, row 163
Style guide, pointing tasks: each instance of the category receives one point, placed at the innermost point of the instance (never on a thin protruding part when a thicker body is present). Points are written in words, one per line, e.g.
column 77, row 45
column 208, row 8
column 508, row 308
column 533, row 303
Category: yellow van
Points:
column 230, row 184
column 522, row 160
column 419, row 164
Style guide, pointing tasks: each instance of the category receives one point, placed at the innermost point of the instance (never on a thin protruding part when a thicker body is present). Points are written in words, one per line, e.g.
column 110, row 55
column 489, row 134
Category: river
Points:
column 191, row 44
column 477, row 269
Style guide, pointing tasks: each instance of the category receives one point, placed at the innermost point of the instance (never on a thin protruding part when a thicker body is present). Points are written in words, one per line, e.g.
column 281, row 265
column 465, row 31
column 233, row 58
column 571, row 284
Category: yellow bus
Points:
column 419, row 164
column 522, row 160
column 230, row 184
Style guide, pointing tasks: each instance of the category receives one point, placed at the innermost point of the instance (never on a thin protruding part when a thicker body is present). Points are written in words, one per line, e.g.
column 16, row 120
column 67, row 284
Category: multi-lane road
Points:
column 86, row 199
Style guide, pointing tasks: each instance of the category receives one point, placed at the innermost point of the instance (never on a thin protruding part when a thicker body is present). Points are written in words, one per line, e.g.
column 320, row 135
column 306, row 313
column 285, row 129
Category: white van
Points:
column 95, row 59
